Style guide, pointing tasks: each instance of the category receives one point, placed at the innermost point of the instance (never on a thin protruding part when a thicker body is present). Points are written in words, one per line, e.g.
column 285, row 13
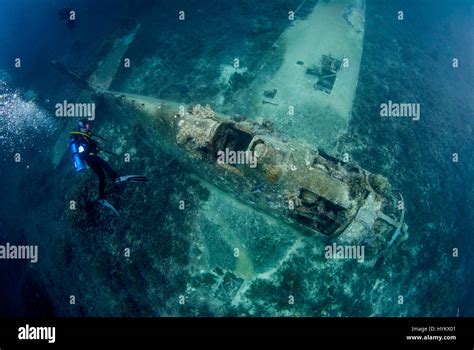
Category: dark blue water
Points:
column 401, row 61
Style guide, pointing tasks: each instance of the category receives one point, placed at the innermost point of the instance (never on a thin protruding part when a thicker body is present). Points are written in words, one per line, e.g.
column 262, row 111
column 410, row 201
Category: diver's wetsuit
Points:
column 89, row 155
column 99, row 165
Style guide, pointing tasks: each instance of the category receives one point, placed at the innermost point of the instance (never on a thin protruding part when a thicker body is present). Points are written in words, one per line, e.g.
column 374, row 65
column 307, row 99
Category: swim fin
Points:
column 106, row 204
column 131, row 178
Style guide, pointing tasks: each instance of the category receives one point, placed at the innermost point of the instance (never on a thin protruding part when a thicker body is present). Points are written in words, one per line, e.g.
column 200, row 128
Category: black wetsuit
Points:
column 89, row 155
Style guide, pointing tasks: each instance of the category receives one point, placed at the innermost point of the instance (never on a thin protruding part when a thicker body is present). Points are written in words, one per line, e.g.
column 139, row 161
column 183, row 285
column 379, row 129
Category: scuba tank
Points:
column 78, row 145
column 76, row 150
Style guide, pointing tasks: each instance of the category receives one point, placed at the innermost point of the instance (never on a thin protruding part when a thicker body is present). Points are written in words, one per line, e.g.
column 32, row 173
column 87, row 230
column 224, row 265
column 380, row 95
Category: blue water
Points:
column 80, row 255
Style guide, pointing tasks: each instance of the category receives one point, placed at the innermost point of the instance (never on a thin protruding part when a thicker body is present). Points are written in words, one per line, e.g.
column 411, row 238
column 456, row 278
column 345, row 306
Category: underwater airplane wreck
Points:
column 301, row 186
column 304, row 187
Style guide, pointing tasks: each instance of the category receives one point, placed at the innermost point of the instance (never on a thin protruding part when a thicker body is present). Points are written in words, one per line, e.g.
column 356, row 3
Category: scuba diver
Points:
column 84, row 149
